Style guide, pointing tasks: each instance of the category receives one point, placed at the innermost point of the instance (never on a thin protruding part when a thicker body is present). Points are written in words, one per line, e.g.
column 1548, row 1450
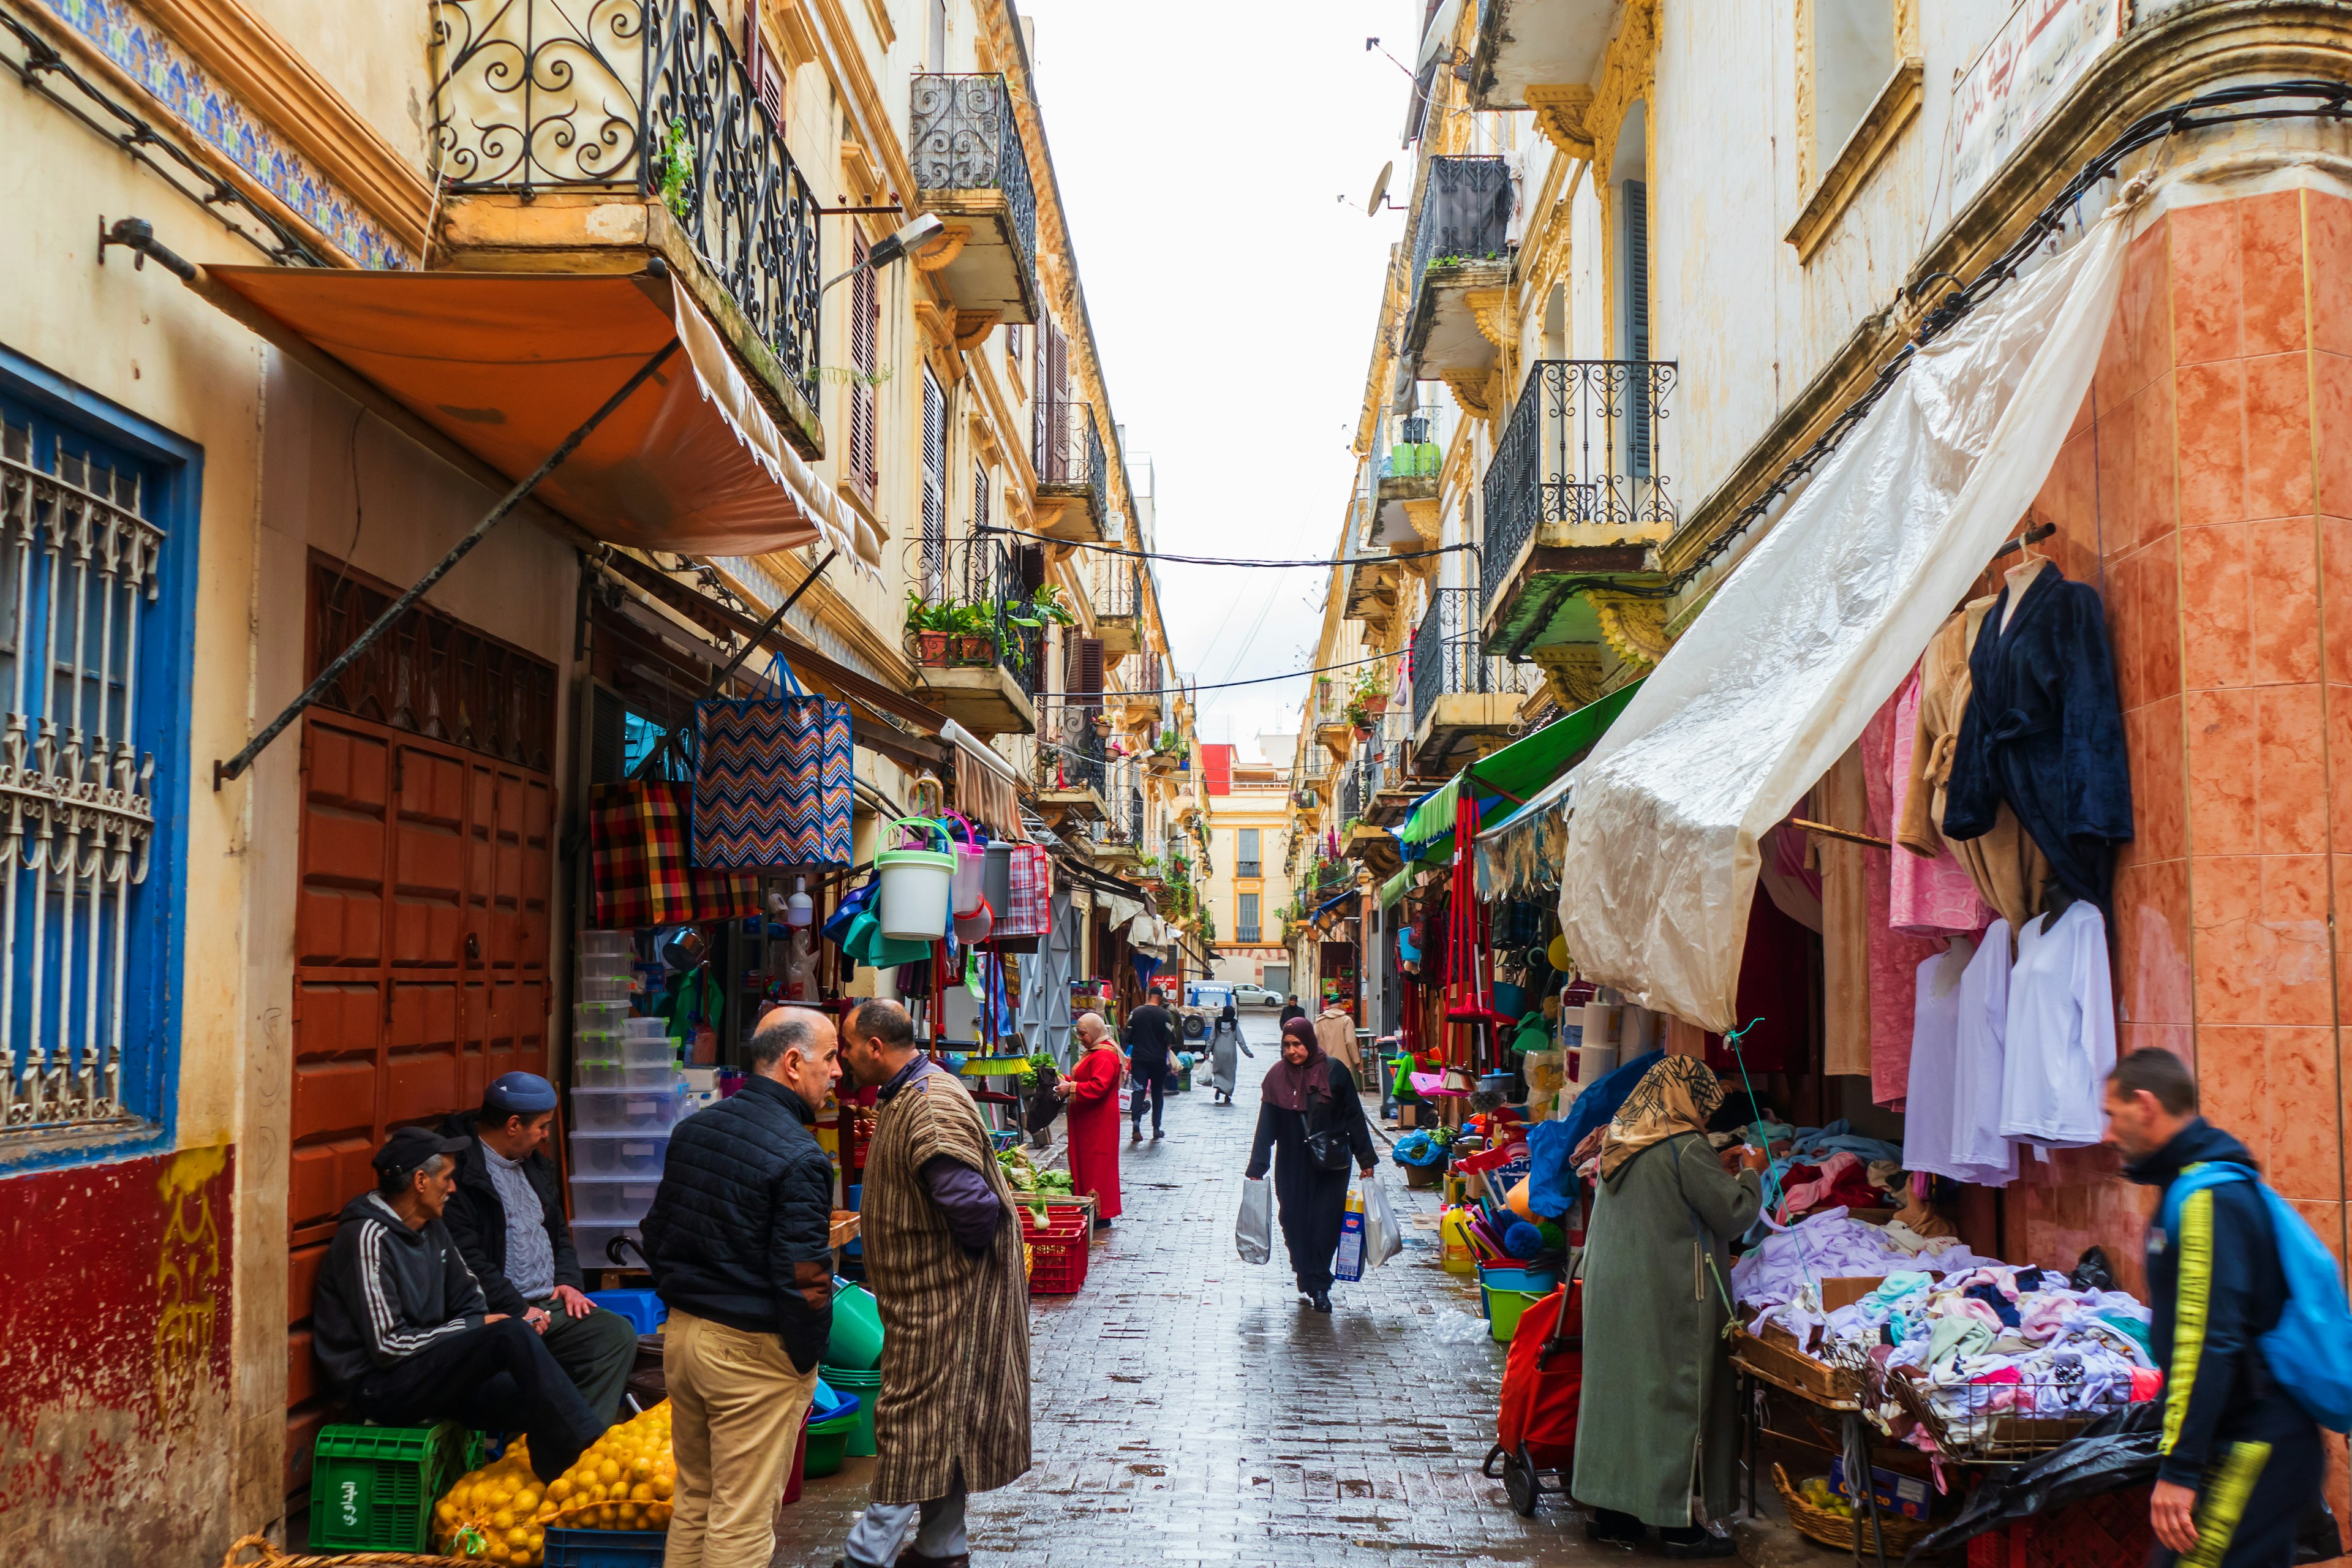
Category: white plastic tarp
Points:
column 1812, row 632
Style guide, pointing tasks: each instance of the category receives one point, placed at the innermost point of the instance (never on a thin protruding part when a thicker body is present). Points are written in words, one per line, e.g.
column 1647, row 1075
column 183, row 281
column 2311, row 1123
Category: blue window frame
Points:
column 98, row 552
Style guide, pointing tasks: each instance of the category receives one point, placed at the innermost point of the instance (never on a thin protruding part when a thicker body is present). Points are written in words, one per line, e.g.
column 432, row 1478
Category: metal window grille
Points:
column 79, row 580
column 1245, row 927
column 865, row 318
column 935, row 488
column 1637, row 315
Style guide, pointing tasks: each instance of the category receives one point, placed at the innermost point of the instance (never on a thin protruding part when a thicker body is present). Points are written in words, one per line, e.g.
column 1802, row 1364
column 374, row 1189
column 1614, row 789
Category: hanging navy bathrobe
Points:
column 2042, row 732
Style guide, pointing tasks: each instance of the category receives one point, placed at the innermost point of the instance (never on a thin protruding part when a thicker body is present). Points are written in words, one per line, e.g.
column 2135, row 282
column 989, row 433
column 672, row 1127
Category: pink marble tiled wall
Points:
column 2197, row 488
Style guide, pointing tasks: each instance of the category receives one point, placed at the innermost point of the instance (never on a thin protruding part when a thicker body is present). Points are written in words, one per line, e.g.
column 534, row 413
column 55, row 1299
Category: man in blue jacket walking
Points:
column 2241, row 1461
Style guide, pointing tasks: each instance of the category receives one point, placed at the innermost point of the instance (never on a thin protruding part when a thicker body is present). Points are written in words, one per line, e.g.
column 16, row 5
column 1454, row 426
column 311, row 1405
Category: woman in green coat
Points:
column 1659, row 1412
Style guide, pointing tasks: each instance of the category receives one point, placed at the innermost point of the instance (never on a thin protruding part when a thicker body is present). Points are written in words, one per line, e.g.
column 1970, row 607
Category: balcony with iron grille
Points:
column 1073, row 766
column 974, row 634
column 1408, row 449
column 1537, row 54
column 1116, row 590
column 1073, row 474
column 1142, row 705
column 608, row 135
column 1465, row 701
column 1368, row 844
column 972, row 173
column 1461, row 267
column 1578, row 488
column 1118, row 838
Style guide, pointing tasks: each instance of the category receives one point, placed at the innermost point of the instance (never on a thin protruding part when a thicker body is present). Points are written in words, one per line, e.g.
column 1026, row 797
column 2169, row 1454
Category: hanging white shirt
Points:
column 1952, row 1120
column 2061, row 1041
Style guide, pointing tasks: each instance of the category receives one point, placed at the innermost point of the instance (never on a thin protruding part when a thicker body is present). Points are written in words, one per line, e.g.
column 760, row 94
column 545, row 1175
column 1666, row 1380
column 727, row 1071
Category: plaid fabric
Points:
column 1031, row 911
column 636, row 847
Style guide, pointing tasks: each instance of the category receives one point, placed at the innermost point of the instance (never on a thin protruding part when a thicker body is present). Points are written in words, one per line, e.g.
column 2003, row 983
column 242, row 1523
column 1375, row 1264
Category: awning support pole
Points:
column 767, row 629
column 223, row 773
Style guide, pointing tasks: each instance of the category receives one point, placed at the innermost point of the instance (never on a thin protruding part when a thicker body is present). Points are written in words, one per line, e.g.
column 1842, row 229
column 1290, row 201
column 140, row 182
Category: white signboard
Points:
column 2039, row 54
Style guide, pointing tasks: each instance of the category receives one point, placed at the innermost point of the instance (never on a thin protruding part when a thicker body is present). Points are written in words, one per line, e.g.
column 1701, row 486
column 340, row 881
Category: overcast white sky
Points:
column 1201, row 153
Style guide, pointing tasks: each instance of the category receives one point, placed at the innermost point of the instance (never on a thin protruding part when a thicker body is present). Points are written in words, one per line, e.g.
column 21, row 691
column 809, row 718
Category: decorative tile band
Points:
column 155, row 60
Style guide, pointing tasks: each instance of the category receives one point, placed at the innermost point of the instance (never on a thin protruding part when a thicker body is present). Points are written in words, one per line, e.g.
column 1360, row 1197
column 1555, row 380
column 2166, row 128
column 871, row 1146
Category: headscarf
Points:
column 1292, row 1088
column 1677, row 1094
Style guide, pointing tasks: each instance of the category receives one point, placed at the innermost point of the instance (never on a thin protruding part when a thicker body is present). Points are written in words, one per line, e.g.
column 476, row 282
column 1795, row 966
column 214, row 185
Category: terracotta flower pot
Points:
column 974, row 649
column 1376, row 705
column 931, row 647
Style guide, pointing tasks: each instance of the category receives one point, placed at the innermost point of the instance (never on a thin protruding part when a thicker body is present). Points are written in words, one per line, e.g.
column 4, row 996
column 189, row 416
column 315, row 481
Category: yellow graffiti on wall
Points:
column 187, row 1268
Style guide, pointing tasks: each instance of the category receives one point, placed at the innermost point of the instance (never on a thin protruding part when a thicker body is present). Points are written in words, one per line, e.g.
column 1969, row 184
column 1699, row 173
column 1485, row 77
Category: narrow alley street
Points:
column 1186, row 1407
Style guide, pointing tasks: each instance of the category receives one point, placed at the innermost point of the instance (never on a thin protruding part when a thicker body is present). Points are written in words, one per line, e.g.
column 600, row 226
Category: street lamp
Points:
column 912, row 240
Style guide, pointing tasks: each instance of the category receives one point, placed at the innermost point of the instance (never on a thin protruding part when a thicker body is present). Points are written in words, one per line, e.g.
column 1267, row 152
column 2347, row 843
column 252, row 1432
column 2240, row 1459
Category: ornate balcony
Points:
column 1411, row 450
column 1072, row 473
column 595, row 136
column 1537, row 54
column 1460, row 269
column 1073, row 763
column 1116, row 588
column 1463, row 700
column 979, row 664
column 1578, row 488
column 972, row 173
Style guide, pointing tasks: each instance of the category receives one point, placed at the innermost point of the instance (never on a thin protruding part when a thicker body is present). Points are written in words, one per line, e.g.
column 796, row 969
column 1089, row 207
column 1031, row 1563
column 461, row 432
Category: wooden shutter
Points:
column 760, row 63
column 865, row 314
column 980, row 504
column 1090, row 671
column 1637, row 318
column 935, row 486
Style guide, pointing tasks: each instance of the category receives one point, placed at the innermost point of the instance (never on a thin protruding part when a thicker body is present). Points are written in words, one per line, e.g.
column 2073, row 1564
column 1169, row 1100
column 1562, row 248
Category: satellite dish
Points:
column 1380, row 189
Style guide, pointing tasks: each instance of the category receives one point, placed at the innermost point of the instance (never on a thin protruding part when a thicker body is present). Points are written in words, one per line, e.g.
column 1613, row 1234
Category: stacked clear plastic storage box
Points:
column 626, row 1094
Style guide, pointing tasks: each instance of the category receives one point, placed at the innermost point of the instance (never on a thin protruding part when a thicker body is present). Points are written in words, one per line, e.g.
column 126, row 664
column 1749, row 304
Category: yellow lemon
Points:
column 559, row 1489
column 662, row 1486
column 629, row 1513
column 608, row 1471
column 642, row 1492
column 516, row 1537
column 525, row 1500
column 502, row 1520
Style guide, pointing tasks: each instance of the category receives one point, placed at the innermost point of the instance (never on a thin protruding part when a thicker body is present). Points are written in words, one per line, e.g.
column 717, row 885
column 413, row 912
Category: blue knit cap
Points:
column 519, row 1094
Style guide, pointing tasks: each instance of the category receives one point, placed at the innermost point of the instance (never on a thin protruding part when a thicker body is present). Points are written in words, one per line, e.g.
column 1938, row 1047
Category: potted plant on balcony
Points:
column 972, row 627
column 930, row 627
column 1165, row 750
column 1372, row 693
column 1360, row 720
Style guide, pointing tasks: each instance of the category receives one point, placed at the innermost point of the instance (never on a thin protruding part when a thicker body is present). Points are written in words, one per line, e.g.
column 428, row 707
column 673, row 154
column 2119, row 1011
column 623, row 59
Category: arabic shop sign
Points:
column 2040, row 53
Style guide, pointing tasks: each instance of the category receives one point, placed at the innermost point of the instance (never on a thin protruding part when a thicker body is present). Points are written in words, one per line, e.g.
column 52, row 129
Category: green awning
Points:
column 1396, row 887
column 1514, row 773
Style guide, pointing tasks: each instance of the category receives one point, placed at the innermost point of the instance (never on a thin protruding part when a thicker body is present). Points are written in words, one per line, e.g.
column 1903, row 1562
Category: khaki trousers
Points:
column 736, row 1407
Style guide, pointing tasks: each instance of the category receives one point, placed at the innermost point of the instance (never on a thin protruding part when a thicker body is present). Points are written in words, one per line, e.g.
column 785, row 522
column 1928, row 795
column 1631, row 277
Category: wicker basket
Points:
column 1835, row 1530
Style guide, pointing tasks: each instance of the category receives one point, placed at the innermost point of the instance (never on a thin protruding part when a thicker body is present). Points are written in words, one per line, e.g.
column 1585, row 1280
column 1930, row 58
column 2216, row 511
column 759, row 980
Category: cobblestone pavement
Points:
column 1188, row 1409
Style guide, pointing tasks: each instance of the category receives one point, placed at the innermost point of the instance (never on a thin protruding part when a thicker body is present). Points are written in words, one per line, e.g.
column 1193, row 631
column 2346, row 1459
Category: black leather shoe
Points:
column 1695, row 1541
column 1321, row 1300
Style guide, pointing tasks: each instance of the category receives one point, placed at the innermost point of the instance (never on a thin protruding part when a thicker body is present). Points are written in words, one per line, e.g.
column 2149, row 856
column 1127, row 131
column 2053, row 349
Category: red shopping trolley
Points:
column 1543, row 1382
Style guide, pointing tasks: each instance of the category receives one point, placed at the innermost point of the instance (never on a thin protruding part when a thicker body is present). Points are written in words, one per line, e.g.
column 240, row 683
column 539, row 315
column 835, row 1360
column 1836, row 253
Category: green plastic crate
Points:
column 372, row 1488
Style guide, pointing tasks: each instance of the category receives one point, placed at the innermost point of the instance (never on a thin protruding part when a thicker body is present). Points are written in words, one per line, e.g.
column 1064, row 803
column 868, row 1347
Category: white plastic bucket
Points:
column 916, row 885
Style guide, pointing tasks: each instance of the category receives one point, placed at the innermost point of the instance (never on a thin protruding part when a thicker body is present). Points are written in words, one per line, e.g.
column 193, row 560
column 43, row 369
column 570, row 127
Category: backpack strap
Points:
column 2196, row 1178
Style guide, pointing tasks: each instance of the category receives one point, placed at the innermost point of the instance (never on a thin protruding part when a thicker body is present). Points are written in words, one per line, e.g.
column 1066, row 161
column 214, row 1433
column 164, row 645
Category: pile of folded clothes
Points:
column 1983, row 1341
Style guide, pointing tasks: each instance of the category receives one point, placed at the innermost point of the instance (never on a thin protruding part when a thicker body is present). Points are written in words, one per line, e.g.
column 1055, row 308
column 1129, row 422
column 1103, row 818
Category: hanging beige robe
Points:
column 955, row 1329
column 2006, row 865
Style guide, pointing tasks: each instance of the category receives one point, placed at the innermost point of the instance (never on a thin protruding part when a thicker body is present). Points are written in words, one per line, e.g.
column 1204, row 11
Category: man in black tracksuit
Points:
column 1150, row 1050
column 399, row 1322
column 2242, row 1460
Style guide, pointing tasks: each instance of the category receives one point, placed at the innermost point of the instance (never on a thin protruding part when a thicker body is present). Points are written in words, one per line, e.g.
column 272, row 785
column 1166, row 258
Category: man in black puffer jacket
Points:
column 740, row 1242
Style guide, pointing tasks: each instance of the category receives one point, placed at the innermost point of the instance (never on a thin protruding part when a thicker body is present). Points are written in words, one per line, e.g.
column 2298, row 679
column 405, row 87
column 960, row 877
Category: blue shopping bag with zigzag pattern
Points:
column 772, row 778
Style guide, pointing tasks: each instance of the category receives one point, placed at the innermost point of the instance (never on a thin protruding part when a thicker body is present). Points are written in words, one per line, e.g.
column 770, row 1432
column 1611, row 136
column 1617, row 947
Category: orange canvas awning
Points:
column 507, row 365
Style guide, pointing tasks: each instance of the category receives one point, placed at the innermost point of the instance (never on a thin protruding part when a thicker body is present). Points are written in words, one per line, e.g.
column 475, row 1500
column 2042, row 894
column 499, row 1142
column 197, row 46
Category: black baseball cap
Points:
column 410, row 1147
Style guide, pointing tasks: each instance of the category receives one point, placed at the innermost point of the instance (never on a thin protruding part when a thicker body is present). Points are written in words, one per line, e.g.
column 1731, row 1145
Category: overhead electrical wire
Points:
column 1236, row 560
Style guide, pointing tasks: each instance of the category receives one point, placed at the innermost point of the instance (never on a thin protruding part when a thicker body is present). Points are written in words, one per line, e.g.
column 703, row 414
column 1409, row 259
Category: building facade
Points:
column 220, row 985
column 1248, row 893
column 1617, row 338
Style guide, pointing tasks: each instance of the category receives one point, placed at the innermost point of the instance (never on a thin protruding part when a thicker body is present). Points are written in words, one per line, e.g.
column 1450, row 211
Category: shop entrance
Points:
column 421, row 922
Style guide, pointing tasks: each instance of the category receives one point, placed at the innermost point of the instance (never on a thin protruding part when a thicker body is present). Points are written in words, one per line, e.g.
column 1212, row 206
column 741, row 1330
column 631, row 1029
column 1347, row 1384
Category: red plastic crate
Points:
column 2110, row 1530
column 1058, row 1254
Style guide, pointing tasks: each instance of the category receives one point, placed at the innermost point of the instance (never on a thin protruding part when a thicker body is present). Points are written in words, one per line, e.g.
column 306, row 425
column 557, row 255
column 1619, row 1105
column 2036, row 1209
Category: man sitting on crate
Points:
column 506, row 1217
column 400, row 1325
column 944, row 1260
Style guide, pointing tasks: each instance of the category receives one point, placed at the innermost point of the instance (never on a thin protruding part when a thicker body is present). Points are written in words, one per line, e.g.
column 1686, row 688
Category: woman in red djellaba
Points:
column 1092, row 1090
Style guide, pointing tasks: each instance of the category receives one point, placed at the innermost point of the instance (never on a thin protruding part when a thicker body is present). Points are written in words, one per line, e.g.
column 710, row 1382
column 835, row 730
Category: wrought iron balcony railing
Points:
column 962, row 137
column 992, row 614
column 1466, row 209
column 1071, row 753
column 1411, row 445
column 1585, row 446
column 1116, row 587
column 1070, row 453
column 1449, row 656
column 643, row 96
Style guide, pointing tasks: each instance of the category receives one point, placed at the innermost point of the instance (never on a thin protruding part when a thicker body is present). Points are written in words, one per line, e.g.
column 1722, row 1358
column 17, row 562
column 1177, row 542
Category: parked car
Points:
column 1248, row 996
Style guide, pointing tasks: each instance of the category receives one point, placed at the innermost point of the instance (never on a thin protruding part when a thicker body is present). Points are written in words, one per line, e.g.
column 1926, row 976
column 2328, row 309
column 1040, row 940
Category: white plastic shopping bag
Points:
column 1382, row 1239
column 1253, row 1229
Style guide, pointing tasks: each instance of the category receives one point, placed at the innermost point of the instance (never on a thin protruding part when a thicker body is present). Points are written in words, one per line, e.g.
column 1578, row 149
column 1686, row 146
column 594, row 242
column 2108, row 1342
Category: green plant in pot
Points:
column 972, row 627
column 931, row 630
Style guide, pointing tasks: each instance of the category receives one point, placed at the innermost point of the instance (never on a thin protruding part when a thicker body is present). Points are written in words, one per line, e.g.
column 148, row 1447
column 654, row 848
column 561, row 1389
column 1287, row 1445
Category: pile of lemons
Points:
column 501, row 1514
